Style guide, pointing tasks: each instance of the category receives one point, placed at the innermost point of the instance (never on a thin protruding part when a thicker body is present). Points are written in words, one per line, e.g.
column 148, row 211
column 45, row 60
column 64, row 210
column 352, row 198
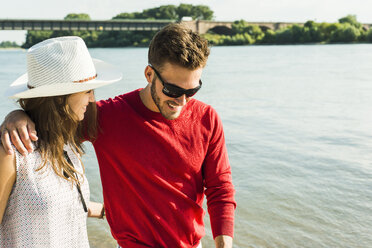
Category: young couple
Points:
column 159, row 150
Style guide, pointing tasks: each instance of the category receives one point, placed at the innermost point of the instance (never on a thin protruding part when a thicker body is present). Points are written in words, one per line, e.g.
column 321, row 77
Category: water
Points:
column 298, row 127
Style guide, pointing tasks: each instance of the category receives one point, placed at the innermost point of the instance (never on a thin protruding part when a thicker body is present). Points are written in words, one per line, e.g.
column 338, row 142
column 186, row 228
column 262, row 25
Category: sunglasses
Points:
column 174, row 91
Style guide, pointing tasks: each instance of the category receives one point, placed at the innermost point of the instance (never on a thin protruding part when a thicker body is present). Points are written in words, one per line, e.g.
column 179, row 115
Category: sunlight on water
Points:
column 298, row 127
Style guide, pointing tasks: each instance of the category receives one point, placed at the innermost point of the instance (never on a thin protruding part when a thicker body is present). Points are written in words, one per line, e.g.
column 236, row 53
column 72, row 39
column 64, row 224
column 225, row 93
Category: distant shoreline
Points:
column 296, row 44
column 12, row 48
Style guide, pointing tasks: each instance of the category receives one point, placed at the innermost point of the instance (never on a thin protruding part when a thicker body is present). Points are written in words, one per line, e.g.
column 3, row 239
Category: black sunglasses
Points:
column 174, row 91
column 78, row 184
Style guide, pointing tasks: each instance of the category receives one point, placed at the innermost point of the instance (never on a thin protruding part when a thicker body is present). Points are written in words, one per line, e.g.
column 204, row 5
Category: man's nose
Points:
column 181, row 100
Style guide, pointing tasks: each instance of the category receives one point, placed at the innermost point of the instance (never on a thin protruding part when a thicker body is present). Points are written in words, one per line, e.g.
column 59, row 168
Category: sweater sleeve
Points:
column 218, row 182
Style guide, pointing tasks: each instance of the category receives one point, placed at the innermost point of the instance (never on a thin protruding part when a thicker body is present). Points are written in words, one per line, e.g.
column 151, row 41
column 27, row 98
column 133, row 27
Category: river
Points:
column 298, row 127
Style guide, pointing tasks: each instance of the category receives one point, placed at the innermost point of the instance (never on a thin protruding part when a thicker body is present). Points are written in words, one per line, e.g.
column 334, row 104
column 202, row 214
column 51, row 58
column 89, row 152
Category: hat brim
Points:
column 106, row 74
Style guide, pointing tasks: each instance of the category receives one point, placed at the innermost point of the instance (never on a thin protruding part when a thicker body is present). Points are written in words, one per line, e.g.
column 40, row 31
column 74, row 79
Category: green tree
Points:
column 297, row 33
column 184, row 10
column 162, row 12
column 171, row 12
column 8, row 44
column 346, row 33
column 312, row 32
column 239, row 27
column 284, row 36
column 34, row 37
column 369, row 35
column 214, row 39
column 201, row 12
column 81, row 16
column 134, row 15
column 351, row 19
column 269, row 37
column 255, row 32
column 327, row 29
column 242, row 27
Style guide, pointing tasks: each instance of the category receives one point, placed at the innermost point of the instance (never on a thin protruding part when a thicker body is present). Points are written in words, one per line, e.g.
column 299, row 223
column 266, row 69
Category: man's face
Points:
column 179, row 76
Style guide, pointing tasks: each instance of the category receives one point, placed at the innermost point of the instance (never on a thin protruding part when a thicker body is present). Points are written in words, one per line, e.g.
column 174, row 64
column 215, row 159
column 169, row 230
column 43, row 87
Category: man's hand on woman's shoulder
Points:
column 19, row 130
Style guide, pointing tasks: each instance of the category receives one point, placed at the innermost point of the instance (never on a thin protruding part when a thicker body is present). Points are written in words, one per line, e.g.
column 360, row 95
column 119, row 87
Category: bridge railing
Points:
column 81, row 25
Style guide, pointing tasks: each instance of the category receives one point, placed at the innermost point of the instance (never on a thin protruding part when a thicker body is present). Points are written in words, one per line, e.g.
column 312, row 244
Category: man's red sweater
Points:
column 155, row 172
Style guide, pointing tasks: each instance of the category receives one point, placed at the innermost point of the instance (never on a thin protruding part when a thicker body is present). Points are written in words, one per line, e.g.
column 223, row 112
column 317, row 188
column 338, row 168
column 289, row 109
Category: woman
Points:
column 44, row 196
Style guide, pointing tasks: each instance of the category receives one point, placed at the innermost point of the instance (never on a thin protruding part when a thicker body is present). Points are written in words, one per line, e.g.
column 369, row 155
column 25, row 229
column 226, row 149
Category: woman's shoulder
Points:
column 30, row 163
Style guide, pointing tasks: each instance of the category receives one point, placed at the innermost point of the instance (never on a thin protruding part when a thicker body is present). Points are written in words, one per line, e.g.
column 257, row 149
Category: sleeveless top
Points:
column 45, row 210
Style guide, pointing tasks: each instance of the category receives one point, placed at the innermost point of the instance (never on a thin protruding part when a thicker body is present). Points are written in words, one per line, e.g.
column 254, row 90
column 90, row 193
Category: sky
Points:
column 224, row 10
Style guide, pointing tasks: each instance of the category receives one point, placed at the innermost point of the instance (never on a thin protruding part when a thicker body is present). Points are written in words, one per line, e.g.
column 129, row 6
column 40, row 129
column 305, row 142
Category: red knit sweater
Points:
column 155, row 172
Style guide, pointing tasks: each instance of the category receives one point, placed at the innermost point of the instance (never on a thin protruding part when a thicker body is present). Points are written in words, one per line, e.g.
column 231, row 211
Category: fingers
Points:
column 20, row 130
column 32, row 131
column 14, row 136
column 25, row 138
column 5, row 140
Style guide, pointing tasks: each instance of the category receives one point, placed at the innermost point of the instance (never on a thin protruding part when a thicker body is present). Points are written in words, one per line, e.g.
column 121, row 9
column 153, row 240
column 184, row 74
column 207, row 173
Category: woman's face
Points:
column 78, row 102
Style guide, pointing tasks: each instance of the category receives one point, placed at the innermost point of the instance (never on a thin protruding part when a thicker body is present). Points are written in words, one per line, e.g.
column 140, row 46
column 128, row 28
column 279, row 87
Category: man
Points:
column 159, row 151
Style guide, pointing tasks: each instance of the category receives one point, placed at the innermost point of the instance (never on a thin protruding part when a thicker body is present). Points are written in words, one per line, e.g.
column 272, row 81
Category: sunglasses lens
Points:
column 171, row 91
column 173, row 95
column 175, row 92
column 192, row 93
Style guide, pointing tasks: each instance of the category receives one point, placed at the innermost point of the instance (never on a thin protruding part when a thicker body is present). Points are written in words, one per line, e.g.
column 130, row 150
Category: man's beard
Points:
column 156, row 99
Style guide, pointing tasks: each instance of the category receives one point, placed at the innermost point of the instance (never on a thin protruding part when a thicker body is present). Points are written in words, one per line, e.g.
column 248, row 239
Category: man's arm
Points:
column 19, row 130
column 218, row 183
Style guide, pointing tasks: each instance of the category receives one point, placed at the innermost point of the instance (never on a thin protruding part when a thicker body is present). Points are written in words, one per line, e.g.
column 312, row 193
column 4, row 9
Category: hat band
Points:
column 85, row 79
column 78, row 81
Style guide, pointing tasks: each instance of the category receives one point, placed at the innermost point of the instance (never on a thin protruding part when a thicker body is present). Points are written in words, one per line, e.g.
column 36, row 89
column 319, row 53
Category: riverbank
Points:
column 11, row 48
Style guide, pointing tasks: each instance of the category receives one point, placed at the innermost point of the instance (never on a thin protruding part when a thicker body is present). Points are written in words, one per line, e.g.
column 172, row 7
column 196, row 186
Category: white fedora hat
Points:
column 61, row 66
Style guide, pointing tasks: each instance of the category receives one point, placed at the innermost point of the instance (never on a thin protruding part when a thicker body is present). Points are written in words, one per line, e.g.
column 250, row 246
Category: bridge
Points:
column 83, row 25
column 199, row 26
column 202, row 26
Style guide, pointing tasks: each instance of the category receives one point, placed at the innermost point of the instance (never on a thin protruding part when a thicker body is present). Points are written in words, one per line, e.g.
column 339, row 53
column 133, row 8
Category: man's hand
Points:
column 223, row 241
column 96, row 210
column 18, row 129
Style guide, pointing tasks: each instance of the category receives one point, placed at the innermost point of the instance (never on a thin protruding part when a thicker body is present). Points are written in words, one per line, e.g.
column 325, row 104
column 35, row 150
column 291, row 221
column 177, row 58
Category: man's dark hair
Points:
column 177, row 44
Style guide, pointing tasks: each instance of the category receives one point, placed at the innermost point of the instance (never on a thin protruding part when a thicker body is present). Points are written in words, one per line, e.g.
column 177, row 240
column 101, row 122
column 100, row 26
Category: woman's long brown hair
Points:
column 57, row 125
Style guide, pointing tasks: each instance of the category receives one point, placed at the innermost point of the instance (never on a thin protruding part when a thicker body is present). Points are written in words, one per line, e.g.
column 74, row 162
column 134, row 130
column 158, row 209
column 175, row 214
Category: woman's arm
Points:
column 7, row 178
column 96, row 210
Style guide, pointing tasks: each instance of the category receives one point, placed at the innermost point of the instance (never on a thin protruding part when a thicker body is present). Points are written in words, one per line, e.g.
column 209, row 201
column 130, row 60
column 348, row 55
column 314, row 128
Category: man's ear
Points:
column 149, row 74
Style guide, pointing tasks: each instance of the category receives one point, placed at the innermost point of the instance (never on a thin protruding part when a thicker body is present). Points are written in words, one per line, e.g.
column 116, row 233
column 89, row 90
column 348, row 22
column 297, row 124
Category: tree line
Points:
column 125, row 38
column 9, row 44
column 346, row 30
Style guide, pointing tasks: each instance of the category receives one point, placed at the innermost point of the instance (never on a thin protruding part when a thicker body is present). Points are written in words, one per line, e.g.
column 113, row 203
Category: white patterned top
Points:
column 43, row 209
